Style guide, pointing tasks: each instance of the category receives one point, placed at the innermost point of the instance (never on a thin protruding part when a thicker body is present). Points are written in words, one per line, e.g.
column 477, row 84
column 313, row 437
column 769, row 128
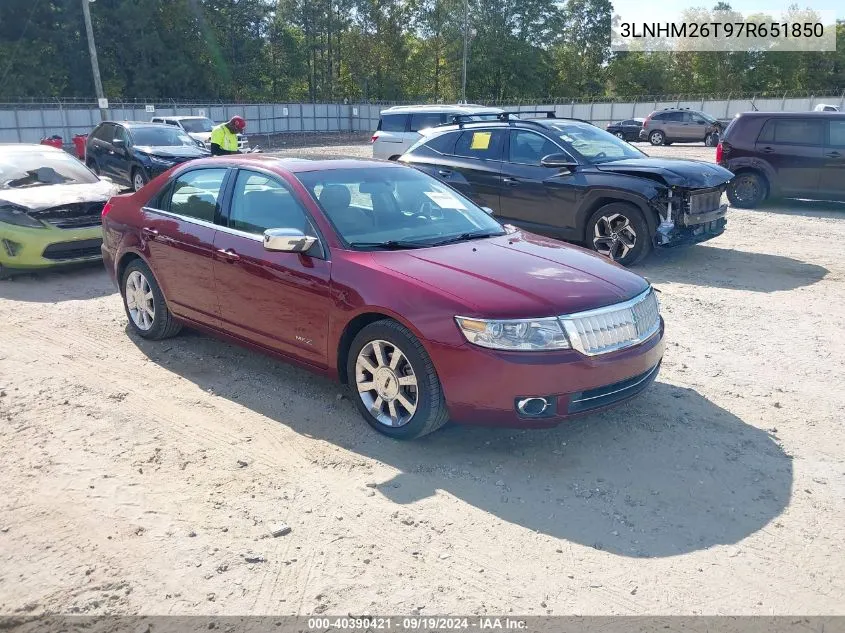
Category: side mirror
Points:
column 487, row 210
column 287, row 240
column 559, row 160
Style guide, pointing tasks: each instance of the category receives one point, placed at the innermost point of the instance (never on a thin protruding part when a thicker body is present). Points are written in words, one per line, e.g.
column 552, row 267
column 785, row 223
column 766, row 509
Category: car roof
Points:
column 297, row 165
column 180, row 117
column 467, row 108
column 28, row 147
column 134, row 124
column 779, row 115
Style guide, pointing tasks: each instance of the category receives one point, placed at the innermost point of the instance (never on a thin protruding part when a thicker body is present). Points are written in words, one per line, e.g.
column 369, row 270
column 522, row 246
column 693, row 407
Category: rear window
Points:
column 442, row 143
column 393, row 122
column 792, row 132
column 425, row 120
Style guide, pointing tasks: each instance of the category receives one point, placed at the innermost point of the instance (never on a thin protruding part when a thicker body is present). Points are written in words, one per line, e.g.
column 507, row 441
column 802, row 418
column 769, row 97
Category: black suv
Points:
column 790, row 154
column 571, row 180
column 132, row 153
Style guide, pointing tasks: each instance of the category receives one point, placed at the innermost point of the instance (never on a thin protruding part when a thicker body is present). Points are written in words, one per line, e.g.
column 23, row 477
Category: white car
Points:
column 824, row 107
column 399, row 127
column 198, row 128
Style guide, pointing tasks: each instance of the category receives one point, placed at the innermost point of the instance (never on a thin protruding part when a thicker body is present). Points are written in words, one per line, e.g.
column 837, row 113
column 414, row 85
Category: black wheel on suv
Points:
column 747, row 190
column 711, row 140
column 657, row 138
column 619, row 231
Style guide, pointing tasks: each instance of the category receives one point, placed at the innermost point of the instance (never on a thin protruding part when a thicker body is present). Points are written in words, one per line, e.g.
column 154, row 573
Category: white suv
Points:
column 399, row 126
column 198, row 128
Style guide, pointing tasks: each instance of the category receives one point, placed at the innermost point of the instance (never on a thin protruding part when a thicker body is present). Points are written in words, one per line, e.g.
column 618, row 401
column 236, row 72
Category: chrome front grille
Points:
column 614, row 327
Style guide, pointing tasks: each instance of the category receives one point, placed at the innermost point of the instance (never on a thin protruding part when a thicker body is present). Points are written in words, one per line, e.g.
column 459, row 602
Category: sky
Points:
column 662, row 11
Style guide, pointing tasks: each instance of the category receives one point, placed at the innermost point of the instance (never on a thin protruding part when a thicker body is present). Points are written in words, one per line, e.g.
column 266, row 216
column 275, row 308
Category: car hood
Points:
column 517, row 276
column 205, row 137
column 49, row 196
column 671, row 171
column 173, row 151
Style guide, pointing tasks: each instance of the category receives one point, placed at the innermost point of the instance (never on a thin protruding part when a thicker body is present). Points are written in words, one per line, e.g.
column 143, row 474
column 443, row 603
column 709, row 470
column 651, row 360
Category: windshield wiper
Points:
column 392, row 245
column 464, row 237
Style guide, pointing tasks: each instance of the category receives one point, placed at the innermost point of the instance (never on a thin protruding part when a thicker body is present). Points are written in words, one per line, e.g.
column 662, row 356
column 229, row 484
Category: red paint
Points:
column 297, row 307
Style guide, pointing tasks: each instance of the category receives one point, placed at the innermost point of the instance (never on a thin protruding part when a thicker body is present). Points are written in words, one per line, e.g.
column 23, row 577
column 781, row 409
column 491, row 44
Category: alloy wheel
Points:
column 656, row 138
column 138, row 181
column 386, row 383
column 746, row 188
column 620, row 135
column 614, row 236
column 140, row 301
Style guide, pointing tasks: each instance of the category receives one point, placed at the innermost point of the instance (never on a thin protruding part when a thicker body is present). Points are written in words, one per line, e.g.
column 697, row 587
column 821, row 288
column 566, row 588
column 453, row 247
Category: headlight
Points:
column 516, row 334
column 18, row 217
column 162, row 162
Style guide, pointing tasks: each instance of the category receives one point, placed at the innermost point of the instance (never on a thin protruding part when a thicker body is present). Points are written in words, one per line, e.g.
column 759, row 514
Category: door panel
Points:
column 278, row 300
column 119, row 157
column 536, row 197
column 795, row 150
column 832, row 178
column 180, row 240
column 477, row 165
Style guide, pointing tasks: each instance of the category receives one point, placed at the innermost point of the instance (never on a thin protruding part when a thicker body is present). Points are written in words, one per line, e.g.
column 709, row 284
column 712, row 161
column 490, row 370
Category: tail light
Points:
column 646, row 122
column 719, row 152
column 373, row 139
column 106, row 208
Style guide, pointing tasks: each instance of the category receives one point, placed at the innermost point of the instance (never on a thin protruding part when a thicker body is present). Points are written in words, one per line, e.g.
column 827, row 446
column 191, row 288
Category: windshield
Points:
column 592, row 144
column 164, row 136
column 395, row 207
column 197, row 126
column 33, row 169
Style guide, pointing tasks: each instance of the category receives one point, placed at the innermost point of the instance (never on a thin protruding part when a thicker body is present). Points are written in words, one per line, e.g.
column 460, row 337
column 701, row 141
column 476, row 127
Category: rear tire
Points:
column 747, row 190
column 619, row 232
column 656, row 138
column 379, row 393
column 144, row 303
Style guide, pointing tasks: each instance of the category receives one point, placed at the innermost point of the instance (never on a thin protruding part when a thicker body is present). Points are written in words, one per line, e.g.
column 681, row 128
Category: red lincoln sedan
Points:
column 380, row 276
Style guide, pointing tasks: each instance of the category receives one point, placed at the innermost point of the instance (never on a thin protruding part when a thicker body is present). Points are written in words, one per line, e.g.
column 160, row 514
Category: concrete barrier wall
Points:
column 27, row 123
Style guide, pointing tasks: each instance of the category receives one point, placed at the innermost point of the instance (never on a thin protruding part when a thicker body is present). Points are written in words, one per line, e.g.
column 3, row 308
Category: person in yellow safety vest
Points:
column 224, row 137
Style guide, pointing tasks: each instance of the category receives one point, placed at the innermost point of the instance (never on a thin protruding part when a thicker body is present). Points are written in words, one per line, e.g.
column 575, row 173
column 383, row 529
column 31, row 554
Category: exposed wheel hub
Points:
column 387, row 384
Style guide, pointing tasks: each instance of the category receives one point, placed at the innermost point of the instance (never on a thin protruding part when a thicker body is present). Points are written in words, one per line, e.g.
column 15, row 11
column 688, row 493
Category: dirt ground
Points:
column 145, row 478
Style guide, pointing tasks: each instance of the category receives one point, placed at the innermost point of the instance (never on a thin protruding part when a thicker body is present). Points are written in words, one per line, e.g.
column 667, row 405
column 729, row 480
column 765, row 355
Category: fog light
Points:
column 11, row 247
column 535, row 407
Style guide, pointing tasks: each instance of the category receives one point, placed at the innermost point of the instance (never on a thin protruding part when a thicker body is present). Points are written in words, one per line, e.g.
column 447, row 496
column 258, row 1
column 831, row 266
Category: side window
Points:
column 443, row 143
column 697, row 119
column 792, row 132
column 105, row 132
column 484, row 144
column 426, row 119
column 673, row 116
column 628, row 122
column 195, row 193
column 120, row 134
column 528, row 148
column 837, row 133
column 393, row 122
column 261, row 202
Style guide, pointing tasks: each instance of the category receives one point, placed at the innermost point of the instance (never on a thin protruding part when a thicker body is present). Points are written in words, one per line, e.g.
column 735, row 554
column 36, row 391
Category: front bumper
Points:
column 24, row 248
column 710, row 225
column 482, row 386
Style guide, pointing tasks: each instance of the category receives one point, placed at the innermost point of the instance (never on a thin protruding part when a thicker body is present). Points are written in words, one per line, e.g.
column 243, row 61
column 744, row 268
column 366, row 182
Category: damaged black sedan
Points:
column 50, row 209
column 573, row 181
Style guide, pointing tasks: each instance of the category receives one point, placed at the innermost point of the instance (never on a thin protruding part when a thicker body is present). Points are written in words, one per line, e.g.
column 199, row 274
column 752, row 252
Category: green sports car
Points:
column 50, row 209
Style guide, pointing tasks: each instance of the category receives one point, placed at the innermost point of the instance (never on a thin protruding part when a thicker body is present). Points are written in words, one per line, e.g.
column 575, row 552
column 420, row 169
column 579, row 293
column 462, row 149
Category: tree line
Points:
column 389, row 50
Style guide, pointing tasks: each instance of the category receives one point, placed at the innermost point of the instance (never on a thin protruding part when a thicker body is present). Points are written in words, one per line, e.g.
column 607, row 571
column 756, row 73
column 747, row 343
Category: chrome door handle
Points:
column 767, row 150
column 510, row 181
column 228, row 254
column 149, row 233
column 833, row 154
column 444, row 172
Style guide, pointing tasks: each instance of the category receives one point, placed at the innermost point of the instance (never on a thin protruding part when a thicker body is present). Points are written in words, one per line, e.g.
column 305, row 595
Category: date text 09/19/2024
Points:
column 416, row 623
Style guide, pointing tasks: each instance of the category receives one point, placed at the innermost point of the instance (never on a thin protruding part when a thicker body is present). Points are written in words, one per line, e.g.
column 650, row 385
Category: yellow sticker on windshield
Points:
column 480, row 140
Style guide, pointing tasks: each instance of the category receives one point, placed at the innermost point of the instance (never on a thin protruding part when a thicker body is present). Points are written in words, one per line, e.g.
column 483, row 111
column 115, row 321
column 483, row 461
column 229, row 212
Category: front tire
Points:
column 656, row 138
column 139, row 179
column 144, row 303
column 394, row 383
column 747, row 190
column 711, row 140
column 619, row 232
column 620, row 135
